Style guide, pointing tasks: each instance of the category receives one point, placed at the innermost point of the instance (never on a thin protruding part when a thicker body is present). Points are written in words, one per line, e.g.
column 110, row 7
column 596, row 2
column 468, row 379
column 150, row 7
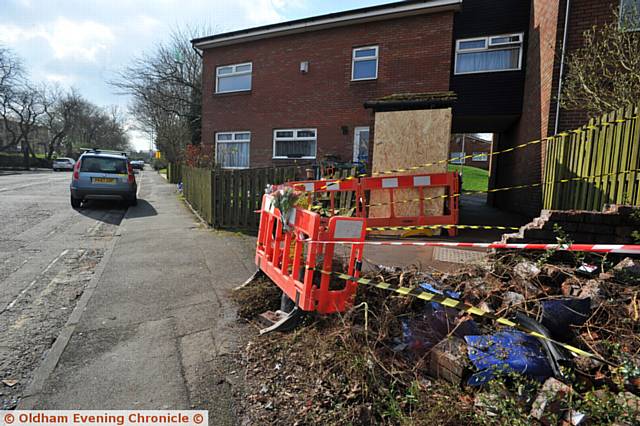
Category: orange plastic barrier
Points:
column 333, row 188
column 449, row 181
column 362, row 187
column 286, row 258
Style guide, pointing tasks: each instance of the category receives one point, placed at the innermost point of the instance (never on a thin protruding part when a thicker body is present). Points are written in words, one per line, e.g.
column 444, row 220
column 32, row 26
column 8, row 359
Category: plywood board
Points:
column 410, row 138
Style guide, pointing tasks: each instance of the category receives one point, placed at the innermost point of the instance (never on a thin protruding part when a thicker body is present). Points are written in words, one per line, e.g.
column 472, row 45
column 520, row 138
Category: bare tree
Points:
column 604, row 74
column 64, row 120
column 60, row 108
column 92, row 126
column 166, row 87
column 11, row 78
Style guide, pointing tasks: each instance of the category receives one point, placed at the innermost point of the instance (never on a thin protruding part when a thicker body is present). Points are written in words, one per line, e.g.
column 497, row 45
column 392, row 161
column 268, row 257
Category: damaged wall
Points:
column 614, row 225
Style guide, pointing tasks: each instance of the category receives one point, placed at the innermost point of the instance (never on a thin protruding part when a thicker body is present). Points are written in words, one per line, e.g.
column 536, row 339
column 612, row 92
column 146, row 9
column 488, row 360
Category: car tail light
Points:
column 76, row 171
column 132, row 177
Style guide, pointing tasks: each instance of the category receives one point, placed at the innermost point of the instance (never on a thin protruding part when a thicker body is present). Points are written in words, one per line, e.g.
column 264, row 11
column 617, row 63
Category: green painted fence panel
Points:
column 601, row 159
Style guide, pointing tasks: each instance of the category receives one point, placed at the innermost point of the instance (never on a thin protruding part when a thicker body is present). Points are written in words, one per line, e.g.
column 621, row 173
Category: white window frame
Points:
column 233, row 141
column 458, row 159
column 489, row 46
column 366, row 58
column 295, row 138
column 356, row 140
column 234, row 73
column 484, row 157
column 622, row 11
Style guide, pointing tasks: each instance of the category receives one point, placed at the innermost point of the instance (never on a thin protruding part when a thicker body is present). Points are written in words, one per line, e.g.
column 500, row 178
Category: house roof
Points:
column 393, row 10
column 411, row 101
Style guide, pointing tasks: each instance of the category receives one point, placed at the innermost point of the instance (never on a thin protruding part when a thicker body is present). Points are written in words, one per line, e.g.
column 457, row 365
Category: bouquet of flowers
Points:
column 285, row 200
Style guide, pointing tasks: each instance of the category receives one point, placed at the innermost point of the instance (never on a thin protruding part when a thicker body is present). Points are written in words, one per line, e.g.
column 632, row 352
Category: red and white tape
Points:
column 592, row 248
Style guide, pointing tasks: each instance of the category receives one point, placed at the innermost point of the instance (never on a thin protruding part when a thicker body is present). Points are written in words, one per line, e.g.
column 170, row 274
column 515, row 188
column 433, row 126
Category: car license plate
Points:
column 104, row 180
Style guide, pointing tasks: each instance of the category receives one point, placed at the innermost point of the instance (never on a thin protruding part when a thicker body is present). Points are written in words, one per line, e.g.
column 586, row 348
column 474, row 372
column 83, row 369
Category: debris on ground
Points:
column 393, row 359
column 258, row 297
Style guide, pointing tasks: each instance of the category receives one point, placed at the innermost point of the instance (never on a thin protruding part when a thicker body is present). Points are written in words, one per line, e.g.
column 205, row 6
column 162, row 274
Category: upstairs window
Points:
column 233, row 78
column 364, row 63
column 232, row 149
column 489, row 54
column 295, row 143
column 630, row 15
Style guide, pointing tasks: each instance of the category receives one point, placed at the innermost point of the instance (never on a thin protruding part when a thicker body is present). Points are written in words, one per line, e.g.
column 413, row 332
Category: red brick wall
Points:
column 583, row 16
column 524, row 166
column 415, row 56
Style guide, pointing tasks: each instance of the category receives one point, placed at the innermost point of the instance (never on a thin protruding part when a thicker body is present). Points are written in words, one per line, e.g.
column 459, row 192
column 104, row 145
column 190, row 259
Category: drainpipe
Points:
column 562, row 55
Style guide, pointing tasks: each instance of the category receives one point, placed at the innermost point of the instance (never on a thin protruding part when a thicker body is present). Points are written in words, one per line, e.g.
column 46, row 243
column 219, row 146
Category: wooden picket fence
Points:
column 229, row 199
column 174, row 173
column 602, row 160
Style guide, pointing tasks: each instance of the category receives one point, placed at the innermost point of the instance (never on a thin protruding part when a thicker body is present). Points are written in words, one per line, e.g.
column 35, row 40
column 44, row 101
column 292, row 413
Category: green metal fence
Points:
column 601, row 161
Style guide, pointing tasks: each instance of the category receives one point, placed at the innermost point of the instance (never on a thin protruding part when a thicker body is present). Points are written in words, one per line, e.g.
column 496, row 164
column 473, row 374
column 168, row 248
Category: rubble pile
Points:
column 394, row 359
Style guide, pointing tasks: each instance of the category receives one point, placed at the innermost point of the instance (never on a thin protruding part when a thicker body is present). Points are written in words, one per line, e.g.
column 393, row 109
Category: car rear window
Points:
column 103, row 165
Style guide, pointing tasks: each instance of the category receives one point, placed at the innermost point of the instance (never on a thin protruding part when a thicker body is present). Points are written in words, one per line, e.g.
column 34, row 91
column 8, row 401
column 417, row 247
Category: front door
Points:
column 361, row 145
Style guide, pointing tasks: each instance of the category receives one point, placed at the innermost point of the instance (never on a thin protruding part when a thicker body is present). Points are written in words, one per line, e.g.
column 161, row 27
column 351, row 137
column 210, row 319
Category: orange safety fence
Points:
column 284, row 256
column 360, row 189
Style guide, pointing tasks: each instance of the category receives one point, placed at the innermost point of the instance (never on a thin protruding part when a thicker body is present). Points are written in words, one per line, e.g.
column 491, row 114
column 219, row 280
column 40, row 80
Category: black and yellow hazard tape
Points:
column 429, row 296
column 424, row 227
column 583, row 129
column 504, row 151
column 508, row 188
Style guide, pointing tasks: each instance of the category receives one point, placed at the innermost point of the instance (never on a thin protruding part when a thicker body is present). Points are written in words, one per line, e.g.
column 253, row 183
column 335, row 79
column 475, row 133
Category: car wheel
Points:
column 76, row 203
column 133, row 201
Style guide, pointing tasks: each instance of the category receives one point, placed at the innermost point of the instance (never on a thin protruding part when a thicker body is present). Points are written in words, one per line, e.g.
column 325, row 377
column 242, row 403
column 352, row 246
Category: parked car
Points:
column 63, row 164
column 103, row 175
column 137, row 164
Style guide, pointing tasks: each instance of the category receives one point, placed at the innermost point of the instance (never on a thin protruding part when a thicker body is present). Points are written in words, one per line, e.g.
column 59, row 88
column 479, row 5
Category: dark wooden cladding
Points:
column 495, row 97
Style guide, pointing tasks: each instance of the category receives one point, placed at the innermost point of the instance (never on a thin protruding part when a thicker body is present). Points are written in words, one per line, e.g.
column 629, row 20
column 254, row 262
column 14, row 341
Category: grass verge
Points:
column 473, row 178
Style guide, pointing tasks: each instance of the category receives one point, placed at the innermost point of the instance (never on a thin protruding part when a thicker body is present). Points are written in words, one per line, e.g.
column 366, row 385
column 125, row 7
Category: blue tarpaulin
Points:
column 506, row 351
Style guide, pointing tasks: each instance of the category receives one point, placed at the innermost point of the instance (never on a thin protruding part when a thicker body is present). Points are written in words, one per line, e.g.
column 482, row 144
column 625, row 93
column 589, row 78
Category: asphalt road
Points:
column 115, row 308
column 48, row 253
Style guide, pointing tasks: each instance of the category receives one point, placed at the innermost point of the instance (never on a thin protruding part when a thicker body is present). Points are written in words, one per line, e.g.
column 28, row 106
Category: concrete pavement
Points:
column 158, row 330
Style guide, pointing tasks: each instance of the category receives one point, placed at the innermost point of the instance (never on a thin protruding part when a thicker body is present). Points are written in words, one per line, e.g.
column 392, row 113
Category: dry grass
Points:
column 343, row 369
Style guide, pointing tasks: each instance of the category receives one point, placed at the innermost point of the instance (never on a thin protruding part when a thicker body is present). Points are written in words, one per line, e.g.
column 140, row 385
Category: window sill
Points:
column 293, row 158
column 236, row 93
column 364, row 80
column 486, row 72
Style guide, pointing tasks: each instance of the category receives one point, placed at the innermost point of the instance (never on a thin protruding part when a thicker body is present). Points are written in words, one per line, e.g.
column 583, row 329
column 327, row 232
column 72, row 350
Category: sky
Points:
column 84, row 43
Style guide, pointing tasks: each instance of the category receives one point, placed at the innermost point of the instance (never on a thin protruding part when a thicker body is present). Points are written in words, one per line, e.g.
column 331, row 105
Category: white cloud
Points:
column 266, row 11
column 78, row 39
column 68, row 39
column 10, row 34
column 63, row 79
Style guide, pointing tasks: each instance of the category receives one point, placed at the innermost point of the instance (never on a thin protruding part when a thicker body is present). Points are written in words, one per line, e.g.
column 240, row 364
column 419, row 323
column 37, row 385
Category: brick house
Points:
column 294, row 92
column 466, row 144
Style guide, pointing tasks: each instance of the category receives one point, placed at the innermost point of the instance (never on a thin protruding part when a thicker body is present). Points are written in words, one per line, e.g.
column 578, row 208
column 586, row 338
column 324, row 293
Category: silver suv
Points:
column 103, row 175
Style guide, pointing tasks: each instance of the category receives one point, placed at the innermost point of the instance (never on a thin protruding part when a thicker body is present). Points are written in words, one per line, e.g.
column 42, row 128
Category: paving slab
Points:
column 159, row 328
